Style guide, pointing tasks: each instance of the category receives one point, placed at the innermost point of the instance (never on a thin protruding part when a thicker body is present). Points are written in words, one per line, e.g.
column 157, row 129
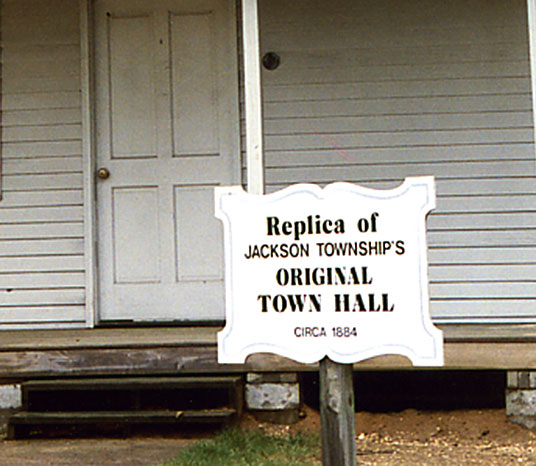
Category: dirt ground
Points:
column 411, row 437
column 460, row 437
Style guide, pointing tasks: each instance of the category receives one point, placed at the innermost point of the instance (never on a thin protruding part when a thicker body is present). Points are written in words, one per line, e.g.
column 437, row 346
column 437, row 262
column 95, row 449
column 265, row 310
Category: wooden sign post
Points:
column 337, row 413
column 335, row 274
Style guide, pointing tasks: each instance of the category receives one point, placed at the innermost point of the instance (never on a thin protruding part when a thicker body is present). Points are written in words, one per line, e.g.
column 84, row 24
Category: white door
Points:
column 167, row 133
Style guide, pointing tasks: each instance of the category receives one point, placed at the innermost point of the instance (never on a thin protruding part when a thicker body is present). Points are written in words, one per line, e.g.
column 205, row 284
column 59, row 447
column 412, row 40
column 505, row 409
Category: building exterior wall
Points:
column 374, row 91
column 41, row 212
column 367, row 92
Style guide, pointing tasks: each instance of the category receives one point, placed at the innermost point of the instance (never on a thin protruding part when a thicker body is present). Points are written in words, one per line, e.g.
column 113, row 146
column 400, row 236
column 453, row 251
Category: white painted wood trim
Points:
column 531, row 19
column 88, row 157
column 253, row 100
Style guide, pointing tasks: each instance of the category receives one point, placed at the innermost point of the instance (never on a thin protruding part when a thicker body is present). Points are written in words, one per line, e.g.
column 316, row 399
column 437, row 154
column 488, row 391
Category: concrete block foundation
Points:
column 273, row 397
column 10, row 401
column 521, row 398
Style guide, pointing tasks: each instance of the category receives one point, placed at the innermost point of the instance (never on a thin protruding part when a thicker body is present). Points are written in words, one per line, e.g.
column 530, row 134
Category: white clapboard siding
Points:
column 54, row 116
column 336, row 155
column 397, row 171
column 42, row 272
column 27, row 231
column 401, row 89
column 48, row 246
column 485, row 310
column 486, row 255
column 377, row 90
column 487, row 273
column 52, row 264
column 42, row 182
column 23, row 166
column 504, row 221
column 41, row 297
column 42, row 280
column 61, row 132
column 66, row 197
column 40, row 101
column 41, row 149
column 40, row 214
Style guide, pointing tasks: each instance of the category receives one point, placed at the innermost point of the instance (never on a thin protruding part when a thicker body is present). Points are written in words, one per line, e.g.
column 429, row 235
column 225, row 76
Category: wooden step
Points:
column 129, row 400
column 230, row 384
column 120, row 418
column 131, row 383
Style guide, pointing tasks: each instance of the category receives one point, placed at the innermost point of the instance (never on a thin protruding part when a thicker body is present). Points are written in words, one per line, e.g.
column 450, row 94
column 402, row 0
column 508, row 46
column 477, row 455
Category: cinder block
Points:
column 523, row 379
column 526, row 421
column 532, row 379
column 272, row 377
column 511, row 379
column 521, row 403
column 272, row 396
column 10, row 396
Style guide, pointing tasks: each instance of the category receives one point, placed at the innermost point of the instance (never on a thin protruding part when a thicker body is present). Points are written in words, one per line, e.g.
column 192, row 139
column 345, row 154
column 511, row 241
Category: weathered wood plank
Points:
column 122, row 417
column 203, row 359
column 337, row 413
column 134, row 337
column 131, row 383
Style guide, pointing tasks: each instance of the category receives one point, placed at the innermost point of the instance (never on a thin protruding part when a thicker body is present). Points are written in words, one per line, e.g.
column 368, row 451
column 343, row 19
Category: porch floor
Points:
column 193, row 350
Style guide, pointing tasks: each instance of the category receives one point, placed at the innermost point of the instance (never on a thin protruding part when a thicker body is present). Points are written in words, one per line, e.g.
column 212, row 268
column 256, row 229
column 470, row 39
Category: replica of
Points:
column 339, row 271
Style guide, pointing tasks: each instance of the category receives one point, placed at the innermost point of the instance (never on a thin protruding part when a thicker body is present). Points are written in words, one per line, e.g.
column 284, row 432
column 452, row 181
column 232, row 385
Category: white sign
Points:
column 338, row 272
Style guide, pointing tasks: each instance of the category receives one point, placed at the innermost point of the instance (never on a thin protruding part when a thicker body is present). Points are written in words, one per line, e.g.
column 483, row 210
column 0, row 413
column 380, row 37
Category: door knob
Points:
column 103, row 173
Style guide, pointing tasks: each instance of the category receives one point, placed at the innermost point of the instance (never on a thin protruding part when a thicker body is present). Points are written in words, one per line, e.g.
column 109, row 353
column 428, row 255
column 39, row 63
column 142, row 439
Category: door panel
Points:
column 195, row 99
column 135, row 235
column 131, row 100
column 167, row 130
column 195, row 260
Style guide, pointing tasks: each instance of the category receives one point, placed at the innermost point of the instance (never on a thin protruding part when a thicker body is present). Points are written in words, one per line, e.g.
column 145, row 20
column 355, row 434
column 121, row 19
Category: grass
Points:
column 241, row 447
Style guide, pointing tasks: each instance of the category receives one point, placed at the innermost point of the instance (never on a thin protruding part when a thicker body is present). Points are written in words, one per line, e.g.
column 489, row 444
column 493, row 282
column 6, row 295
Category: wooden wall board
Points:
column 203, row 359
column 372, row 92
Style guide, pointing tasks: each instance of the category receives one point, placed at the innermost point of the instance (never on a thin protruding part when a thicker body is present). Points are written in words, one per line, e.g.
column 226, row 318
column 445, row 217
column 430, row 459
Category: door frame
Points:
column 89, row 156
column 87, row 83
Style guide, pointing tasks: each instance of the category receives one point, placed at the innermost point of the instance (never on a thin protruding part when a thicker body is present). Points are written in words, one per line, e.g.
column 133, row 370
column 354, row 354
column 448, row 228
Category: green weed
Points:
column 238, row 447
